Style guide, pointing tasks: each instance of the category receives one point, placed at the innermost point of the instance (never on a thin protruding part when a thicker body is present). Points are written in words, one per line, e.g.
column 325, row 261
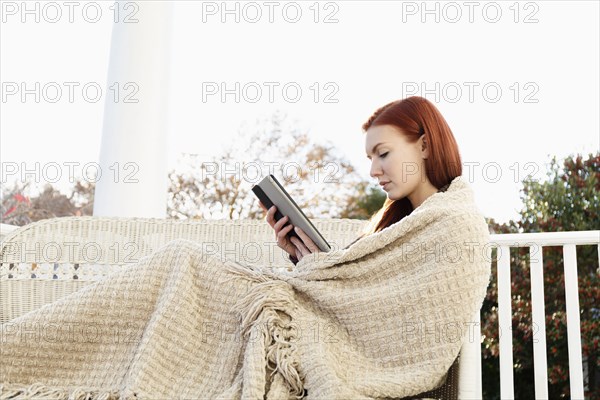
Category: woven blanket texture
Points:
column 384, row 318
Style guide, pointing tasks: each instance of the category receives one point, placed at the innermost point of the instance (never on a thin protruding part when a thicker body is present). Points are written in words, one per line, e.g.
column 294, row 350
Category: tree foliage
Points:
column 367, row 200
column 317, row 178
column 19, row 208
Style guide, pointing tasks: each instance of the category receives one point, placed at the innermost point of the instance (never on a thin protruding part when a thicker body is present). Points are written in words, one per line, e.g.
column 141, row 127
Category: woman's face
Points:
column 399, row 163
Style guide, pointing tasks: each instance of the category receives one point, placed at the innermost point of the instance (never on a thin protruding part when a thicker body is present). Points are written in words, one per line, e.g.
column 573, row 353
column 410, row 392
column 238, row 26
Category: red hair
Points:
column 416, row 116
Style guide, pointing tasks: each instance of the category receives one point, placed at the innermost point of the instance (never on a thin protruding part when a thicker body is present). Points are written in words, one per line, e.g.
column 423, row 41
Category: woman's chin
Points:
column 391, row 196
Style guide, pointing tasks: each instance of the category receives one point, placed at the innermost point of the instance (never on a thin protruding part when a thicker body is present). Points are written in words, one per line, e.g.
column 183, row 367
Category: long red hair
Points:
column 417, row 116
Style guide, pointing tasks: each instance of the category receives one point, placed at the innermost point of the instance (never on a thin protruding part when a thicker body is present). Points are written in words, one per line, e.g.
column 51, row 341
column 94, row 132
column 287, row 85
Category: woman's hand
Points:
column 291, row 245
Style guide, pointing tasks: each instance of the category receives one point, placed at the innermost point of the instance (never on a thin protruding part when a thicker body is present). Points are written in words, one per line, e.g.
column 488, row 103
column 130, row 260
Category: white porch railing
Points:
column 536, row 242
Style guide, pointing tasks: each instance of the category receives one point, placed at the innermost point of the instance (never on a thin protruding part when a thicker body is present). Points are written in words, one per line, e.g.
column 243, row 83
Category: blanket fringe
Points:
column 40, row 391
column 267, row 306
column 246, row 272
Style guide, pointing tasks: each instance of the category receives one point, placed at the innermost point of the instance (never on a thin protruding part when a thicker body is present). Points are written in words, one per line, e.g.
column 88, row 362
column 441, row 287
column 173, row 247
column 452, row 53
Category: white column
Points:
column 133, row 153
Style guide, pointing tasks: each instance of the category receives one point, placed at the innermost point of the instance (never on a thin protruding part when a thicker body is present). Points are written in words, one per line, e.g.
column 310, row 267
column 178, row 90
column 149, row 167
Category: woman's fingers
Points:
column 292, row 244
column 300, row 246
column 284, row 242
column 279, row 224
column 307, row 241
column 271, row 216
column 282, row 233
column 298, row 254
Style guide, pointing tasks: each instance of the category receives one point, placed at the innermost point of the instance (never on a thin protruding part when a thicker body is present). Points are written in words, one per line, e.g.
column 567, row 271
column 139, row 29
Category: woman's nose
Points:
column 375, row 170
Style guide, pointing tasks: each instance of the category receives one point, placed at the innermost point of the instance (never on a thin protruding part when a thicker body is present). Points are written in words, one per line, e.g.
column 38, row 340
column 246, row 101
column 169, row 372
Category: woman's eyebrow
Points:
column 374, row 148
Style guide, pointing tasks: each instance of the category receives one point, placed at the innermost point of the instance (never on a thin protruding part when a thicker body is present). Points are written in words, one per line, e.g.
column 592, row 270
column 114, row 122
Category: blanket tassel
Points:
column 40, row 391
column 267, row 305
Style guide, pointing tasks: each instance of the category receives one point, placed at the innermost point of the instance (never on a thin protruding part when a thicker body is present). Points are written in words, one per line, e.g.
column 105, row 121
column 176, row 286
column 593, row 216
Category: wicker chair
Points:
column 49, row 259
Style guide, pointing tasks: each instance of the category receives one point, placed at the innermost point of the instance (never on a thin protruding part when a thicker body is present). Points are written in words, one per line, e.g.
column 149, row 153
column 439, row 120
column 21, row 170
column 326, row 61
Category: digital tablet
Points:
column 270, row 192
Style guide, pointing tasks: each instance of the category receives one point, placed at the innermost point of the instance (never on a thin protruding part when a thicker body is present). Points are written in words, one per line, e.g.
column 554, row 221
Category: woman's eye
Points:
column 383, row 155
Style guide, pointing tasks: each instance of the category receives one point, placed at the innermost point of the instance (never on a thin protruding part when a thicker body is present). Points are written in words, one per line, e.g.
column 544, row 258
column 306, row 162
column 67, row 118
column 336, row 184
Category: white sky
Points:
column 373, row 54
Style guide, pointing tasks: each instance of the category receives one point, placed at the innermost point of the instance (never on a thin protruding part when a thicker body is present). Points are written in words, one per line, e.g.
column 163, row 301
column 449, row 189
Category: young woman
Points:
column 185, row 324
column 413, row 155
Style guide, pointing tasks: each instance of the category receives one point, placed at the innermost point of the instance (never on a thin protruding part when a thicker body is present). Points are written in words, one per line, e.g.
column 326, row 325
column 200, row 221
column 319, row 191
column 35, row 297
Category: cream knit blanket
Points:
column 384, row 318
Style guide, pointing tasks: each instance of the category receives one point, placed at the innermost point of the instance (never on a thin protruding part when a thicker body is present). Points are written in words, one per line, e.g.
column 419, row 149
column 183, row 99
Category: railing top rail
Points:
column 545, row 238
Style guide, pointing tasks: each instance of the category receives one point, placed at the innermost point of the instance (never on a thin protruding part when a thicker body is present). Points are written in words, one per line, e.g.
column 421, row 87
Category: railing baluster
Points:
column 505, row 324
column 538, row 314
column 598, row 270
column 573, row 325
column 469, row 367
